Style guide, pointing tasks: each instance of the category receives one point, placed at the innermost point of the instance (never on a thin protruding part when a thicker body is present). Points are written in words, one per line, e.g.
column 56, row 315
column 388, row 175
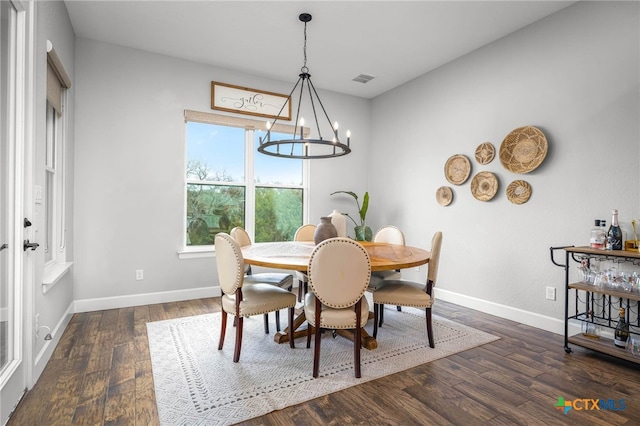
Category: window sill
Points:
column 53, row 274
column 196, row 252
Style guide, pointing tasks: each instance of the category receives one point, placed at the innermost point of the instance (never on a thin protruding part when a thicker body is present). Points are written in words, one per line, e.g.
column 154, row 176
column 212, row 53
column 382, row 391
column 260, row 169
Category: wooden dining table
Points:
column 294, row 255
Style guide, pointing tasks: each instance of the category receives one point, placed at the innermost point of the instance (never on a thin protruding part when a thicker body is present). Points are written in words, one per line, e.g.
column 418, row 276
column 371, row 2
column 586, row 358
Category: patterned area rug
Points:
column 195, row 384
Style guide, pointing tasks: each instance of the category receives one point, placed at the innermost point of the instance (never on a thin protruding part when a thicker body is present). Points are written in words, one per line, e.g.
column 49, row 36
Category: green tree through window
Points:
column 218, row 186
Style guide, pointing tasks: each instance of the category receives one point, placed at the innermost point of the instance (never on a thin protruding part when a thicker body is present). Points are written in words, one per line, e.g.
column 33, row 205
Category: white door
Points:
column 15, row 341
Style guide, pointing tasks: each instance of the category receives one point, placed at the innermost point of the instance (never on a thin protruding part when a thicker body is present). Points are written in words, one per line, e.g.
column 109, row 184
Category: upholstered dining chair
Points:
column 303, row 233
column 244, row 301
column 392, row 235
column 409, row 293
column 278, row 279
column 339, row 272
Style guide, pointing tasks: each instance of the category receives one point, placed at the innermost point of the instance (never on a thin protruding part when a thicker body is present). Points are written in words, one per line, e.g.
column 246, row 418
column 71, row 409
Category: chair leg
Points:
column 299, row 290
column 376, row 312
column 278, row 321
column 292, row 342
column 236, row 352
column 399, row 308
column 266, row 323
column 316, row 354
column 223, row 329
column 316, row 348
column 429, row 328
column 381, row 315
column 308, row 335
column 356, row 347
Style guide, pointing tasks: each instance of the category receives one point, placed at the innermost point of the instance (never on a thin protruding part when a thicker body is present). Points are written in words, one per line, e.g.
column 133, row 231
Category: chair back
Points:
column 436, row 244
column 305, row 233
column 339, row 272
column 230, row 263
column 241, row 236
column 389, row 234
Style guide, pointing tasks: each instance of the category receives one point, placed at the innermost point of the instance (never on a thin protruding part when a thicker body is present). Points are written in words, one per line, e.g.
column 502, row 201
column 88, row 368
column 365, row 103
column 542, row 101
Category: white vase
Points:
column 340, row 222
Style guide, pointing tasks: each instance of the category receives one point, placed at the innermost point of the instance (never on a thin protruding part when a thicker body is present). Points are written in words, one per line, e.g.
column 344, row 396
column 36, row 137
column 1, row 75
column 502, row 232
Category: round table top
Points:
column 295, row 255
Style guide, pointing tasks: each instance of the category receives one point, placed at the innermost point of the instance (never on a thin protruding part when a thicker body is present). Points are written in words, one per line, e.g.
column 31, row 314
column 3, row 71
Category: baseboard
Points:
column 100, row 304
column 47, row 350
column 553, row 325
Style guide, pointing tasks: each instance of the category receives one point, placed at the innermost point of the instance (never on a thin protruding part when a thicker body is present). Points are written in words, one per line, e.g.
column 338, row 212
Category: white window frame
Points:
column 249, row 183
column 54, row 208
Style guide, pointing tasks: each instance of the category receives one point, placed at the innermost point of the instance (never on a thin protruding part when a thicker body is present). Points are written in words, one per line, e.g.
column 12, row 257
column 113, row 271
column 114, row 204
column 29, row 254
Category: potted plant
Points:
column 362, row 231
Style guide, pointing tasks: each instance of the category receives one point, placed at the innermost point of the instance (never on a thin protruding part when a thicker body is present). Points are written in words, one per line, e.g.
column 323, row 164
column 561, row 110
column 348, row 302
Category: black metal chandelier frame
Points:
column 286, row 147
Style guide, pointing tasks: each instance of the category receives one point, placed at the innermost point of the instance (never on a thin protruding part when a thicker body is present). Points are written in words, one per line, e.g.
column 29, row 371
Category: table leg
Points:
column 283, row 336
column 368, row 342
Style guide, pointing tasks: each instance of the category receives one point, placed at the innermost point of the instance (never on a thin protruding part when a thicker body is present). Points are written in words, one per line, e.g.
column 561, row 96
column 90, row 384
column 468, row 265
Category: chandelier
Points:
column 299, row 145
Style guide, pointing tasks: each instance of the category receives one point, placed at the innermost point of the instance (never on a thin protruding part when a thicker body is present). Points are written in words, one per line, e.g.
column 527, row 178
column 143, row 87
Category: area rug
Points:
column 196, row 384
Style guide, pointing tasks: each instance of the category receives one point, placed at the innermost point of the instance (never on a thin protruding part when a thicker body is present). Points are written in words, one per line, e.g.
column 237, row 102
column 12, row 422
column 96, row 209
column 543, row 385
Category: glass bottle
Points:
column 597, row 236
column 589, row 328
column 621, row 334
column 614, row 234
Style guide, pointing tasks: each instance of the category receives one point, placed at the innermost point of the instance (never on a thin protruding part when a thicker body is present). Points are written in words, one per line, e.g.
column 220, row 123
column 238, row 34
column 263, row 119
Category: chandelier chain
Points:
column 304, row 49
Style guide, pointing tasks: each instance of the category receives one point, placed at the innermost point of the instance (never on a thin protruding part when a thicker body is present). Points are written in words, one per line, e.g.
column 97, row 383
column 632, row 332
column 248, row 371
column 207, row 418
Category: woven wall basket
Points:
column 485, row 153
column 484, row 186
column 519, row 191
column 457, row 169
column 523, row 150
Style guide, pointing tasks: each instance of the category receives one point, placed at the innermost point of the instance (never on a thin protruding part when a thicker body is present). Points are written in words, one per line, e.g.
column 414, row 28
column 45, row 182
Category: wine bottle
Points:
column 597, row 236
column 621, row 333
column 614, row 234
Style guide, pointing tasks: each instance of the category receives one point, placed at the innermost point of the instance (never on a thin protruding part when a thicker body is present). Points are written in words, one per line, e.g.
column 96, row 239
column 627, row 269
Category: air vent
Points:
column 363, row 78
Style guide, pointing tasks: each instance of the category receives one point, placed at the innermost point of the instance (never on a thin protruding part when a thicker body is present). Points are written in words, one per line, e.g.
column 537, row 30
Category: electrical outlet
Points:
column 551, row 293
column 139, row 274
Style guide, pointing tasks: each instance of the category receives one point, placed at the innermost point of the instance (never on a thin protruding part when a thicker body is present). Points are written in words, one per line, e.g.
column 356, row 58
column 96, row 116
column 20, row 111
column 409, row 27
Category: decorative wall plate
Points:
column 523, row 150
column 484, row 186
column 519, row 191
column 444, row 195
column 457, row 169
column 485, row 153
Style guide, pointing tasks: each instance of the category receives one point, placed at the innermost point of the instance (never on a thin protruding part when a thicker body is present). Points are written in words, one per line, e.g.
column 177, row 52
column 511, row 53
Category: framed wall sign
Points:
column 227, row 97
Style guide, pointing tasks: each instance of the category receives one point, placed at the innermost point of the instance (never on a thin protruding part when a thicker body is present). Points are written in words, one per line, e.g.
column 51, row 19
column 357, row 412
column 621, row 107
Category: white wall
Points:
column 130, row 171
column 575, row 76
column 54, row 307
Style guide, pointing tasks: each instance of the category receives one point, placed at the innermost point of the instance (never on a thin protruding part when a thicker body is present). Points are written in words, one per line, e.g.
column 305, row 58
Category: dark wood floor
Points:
column 100, row 373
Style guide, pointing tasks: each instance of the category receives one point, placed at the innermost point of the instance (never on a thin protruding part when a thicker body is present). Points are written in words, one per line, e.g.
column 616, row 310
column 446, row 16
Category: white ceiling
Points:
column 395, row 41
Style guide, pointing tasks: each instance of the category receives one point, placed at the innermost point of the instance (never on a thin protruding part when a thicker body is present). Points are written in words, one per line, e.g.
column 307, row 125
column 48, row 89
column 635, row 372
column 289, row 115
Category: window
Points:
column 53, row 193
column 228, row 183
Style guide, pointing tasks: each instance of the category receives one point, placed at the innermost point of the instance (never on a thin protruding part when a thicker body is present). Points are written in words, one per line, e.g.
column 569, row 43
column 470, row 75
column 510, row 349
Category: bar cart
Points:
column 596, row 303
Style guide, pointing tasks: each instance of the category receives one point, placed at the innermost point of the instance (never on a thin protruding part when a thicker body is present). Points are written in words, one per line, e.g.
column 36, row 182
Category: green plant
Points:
column 363, row 232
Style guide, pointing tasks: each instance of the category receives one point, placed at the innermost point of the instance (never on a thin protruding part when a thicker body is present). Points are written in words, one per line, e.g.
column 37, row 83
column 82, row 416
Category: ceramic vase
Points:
column 324, row 230
column 363, row 233
column 340, row 222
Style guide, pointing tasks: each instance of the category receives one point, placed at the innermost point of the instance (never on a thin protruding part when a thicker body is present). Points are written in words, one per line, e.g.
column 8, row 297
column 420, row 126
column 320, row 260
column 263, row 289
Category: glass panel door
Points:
column 13, row 341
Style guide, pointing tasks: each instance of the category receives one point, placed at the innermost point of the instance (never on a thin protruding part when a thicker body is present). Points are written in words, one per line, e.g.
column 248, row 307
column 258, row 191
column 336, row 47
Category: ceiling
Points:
column 394, row 41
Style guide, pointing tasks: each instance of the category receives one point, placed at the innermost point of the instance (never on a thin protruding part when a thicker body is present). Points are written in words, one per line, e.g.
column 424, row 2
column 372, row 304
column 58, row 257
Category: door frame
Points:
column 19, row 373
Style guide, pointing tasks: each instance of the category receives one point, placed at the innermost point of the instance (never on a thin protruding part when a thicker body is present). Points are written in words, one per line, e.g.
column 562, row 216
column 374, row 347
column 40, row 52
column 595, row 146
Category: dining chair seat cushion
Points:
column 378, row 278
column 259, row 299
column 403, row 293
column 335, row 318
column 278, row 279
